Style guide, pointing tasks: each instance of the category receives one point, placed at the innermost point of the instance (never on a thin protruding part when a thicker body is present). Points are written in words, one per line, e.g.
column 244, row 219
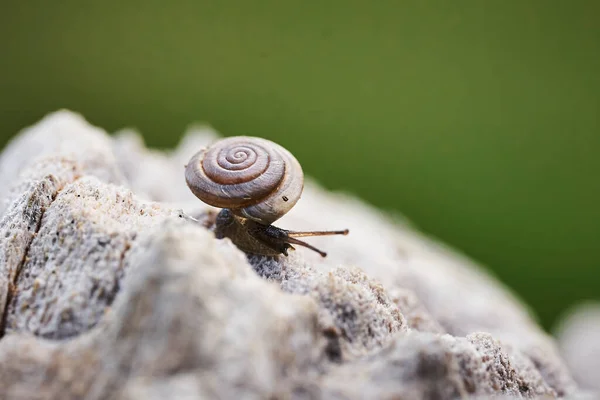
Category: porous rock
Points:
column 110, row 290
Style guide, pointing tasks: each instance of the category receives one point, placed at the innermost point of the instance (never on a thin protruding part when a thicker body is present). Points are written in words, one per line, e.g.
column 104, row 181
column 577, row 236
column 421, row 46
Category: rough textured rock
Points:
column 108, row 290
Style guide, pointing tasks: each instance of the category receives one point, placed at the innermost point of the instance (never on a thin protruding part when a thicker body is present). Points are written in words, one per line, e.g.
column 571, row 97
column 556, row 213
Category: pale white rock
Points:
column 579, row 339
column 109, row 290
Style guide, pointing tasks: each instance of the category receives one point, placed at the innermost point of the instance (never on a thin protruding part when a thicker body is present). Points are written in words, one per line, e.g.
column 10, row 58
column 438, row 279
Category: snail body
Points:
column 255, row 181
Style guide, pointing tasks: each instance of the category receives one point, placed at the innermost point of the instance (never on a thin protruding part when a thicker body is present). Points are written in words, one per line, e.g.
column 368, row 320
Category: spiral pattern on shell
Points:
column 254, row 177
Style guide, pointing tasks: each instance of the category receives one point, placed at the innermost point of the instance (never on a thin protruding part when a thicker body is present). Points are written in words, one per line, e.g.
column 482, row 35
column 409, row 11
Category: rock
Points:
column 356, row 309
column 425, row 365
column 77, row 259
column 579, row 340
column 184, row 309
column 109, row 290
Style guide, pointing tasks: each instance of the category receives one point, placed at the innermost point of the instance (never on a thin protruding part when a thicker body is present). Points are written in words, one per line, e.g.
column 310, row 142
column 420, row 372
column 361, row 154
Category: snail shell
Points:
column 253, row 177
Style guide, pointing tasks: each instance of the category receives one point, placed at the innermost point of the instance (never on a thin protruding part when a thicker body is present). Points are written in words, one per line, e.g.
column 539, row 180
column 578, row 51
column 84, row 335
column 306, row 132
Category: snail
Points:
column 255, row 181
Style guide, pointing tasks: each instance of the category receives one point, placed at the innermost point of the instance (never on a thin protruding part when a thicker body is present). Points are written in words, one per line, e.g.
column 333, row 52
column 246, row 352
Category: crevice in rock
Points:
column 12, row 289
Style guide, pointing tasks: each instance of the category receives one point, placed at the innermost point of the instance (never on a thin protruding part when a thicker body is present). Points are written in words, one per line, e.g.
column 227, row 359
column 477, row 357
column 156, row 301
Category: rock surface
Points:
column 579, row 340
column 108, row 290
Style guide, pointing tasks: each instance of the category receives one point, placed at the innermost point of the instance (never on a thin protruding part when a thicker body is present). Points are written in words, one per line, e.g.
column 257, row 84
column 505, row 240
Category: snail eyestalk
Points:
column 317, row 233
column 292, row 235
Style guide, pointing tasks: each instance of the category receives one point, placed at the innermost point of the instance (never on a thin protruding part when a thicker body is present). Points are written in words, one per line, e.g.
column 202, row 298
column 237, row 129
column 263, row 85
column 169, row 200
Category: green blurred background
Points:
column 478, row 119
